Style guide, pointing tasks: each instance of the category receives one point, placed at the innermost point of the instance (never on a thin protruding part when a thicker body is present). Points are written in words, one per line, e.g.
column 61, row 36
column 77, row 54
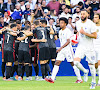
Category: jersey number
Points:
column 8, row 36
column 43, row 34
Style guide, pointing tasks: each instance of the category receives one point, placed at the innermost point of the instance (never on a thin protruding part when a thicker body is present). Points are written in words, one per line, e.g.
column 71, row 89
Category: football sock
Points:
column 30, row 70
column 54, row 72
column 93, row 72
column 27, row 70
column 80, row 66
column 43, row 70
column 36, row 70
column 8, row 71
column 77, row 72
column 3, row 68
column 19, row 69
column 53, row 63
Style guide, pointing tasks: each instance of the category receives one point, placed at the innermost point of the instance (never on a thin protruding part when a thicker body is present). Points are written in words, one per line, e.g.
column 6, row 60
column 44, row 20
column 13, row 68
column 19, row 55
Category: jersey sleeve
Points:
column 34, row 31
column 93, row 28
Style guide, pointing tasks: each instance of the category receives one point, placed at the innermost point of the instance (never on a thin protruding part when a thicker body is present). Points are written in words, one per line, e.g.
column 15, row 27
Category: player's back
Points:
column 9, row 41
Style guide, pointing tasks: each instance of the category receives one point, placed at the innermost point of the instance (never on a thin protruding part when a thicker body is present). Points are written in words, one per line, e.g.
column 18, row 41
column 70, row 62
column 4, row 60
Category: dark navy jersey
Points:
column 50, row 38
column 24, row 44
column 9, row 41
column 41, row 33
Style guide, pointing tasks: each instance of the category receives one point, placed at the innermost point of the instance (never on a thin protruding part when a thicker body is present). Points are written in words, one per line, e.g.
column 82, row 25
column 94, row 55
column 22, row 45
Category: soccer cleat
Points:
column 93, row 85
column 13, row 78
column 37, row 78
column 16, row 77
column 86, row 76
column 49, row 80
column 4, row 78
column 30, row 78
column 27, row 79
column 79, row 81
column 9, row 79
column 19, row 78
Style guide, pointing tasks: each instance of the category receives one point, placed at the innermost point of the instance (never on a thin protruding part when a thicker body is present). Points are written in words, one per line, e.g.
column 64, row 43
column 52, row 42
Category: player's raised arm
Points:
column 28, row 33
column 3, row 29
column 51, row 30
column 21, row 38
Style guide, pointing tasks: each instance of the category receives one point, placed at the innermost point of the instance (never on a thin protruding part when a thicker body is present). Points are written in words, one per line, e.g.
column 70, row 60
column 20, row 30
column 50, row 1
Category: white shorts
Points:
column 97, row 53
column 90, row 54
column 65, row 53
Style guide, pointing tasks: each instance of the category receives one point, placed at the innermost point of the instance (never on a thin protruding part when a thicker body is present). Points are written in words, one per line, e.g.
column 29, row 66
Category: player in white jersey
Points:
column 87, row 32
column 65, row 51
column 97, row 45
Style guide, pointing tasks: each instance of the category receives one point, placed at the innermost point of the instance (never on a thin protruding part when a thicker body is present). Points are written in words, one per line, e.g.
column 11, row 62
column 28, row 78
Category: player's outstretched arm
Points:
column 21, row 38
column 68, row 41
column 3, row 29
column 38, row 40
column 27, row 33
column 13, row 33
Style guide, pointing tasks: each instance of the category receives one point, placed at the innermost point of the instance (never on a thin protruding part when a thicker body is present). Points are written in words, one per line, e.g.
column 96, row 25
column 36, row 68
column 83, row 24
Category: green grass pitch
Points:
column 61, row 83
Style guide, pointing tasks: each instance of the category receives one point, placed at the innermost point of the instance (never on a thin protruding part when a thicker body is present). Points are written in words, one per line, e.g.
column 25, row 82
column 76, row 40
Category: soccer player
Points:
column 87, row 32
column 65, row 51
column 97, row 45
column 23, row 53
column 8, row 49
column 15, row 67
column 52, row 45
column 42, row 45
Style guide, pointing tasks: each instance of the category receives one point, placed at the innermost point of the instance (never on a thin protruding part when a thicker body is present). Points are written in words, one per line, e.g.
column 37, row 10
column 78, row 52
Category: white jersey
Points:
column 89, row 27
column 63, row 36
column 97, row 41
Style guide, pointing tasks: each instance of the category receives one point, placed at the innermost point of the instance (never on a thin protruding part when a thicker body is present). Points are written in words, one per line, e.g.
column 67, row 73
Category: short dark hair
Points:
column 98, row 15
column 27, row 22
column 12, row 25
column 43, row 21
column 36, row 22
column 27, row 27
column 64, row 19
column 70, row 17
column 80, row 3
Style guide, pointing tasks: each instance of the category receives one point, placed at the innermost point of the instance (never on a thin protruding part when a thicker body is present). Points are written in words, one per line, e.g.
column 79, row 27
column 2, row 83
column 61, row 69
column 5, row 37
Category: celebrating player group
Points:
column 23, row 47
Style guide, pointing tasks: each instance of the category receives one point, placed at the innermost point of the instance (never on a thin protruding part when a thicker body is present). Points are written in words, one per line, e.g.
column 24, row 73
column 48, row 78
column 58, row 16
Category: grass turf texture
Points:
column 61, row 83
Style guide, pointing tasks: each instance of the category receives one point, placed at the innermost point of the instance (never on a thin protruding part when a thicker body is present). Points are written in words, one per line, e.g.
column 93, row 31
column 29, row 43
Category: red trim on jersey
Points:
column 38, row 50
column 14, row 50
column 35, row 55
column 3, row 47
column 76, row 36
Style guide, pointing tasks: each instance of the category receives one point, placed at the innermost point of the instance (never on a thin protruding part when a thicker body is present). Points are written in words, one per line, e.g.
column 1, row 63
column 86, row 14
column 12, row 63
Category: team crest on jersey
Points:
column 93, row 57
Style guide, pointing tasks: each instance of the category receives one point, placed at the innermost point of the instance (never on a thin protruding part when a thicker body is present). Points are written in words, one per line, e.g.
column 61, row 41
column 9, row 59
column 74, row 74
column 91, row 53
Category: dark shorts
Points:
column 8, row 56
column 24, row 56
column 53, row 53
column 34, row 55
column 43, row 53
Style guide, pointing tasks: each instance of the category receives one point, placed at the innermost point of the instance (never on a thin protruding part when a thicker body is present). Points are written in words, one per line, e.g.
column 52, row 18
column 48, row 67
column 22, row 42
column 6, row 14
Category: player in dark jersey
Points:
column 42, row 46
column 52, row 45
column 8, row 49
column 23, row 53
column 15, row 67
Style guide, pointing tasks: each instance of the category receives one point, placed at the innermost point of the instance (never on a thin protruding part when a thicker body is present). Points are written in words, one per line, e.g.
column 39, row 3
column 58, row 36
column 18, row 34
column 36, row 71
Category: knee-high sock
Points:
column 80, row 66
column 36, row 70
column 19, row 69
column 53, row 63
column 43, row 70
column 27, row 70
column 54, row 72
column 8, row 71
column 14, row 68
column 47, row 68
column 77, row 72
column 23, row 70
column 99, row 74
column 3, row 68
column 30, row 70
column 93, row 72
